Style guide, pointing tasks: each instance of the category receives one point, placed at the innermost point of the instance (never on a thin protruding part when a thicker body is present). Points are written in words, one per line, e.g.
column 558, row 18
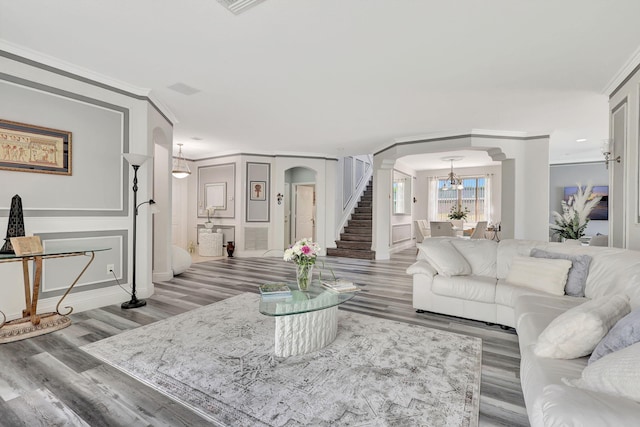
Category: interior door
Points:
column 305, row 212
column 617, row 204
column 287, row 214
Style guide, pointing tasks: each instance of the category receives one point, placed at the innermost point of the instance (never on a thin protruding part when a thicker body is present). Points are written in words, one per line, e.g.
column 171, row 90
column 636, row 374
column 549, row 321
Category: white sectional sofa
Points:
column 468, row 278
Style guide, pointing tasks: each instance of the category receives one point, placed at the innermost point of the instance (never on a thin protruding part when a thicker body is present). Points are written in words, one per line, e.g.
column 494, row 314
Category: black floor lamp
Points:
column 135, row 160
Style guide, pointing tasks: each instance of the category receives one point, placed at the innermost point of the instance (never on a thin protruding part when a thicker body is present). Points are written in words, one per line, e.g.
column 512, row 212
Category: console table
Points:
column 33, row 324
column 306, row 321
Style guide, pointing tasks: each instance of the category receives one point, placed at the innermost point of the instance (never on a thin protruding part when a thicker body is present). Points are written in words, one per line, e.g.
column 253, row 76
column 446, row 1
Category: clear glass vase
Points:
column 304, row 274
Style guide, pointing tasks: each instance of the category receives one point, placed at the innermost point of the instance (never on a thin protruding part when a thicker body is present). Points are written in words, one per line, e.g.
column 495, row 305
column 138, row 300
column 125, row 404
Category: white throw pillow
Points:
column 481, row 254
column 444, row 257
column 616, row 373
column 577, row 331
column 542, row 274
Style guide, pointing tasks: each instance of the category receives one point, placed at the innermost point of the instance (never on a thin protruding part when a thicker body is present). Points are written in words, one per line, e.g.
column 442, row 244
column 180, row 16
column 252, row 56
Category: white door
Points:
column 287, row 214
column 305, row 212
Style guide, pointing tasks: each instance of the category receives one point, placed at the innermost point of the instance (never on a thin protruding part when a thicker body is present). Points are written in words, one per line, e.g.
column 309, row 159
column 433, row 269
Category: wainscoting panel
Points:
column 256, row 238
column 59, row 273
column 400, row 232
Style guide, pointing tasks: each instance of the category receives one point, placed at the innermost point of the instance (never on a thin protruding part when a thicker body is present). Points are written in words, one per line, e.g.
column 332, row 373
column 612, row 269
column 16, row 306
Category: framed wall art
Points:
column 30, row 148
column 258, row 190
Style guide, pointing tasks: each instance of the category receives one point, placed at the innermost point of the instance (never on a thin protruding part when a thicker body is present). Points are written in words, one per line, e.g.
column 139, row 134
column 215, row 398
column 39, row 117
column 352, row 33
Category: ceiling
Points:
column 342, row 77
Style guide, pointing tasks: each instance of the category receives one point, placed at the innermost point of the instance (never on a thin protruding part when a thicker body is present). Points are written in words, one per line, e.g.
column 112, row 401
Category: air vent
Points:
column 239, row 6
column 184, row 89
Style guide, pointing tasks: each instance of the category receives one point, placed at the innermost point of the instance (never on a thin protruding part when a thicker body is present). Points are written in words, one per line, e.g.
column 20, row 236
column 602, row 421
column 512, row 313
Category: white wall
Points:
column 93, row 206
column 325, row 179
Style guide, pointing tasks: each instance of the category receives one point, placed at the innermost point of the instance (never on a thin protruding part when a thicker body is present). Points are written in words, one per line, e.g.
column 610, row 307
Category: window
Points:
column 472, row 197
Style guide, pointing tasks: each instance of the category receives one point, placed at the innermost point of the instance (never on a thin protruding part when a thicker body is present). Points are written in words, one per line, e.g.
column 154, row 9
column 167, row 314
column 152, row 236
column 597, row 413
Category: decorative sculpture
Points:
column 15, row 226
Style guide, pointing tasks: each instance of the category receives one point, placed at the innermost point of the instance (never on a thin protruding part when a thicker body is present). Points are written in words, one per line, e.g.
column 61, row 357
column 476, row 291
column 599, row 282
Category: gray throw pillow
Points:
column 623, row 334
column 577, row 278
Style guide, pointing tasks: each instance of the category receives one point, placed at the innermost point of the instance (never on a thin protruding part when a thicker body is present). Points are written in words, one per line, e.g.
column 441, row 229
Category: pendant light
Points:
column 454, row 182
column 180, row 168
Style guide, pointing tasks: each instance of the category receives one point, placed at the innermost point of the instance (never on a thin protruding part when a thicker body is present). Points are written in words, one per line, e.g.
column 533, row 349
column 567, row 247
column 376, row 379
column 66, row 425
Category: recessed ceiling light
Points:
column 581, row 140
column 196, row 138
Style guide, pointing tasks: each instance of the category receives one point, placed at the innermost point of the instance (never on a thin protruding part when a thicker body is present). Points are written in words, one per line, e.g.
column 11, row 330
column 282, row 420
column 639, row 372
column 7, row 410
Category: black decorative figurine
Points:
column 15, row 227
column 230, row 249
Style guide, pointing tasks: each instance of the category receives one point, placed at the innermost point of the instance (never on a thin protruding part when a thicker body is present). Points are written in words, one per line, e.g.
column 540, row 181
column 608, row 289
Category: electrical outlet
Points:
column 110, row 268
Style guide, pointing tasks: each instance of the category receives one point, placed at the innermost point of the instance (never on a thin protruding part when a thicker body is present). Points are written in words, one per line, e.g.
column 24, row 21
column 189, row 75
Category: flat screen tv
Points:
column 601, row 211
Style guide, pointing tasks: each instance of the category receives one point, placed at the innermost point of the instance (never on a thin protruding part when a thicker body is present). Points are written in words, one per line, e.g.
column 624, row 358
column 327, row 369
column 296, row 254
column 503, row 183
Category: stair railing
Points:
column 348, row 210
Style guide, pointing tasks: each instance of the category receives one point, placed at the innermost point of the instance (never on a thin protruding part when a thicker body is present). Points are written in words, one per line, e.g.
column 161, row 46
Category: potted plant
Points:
column 456, row 212
column 571, row 223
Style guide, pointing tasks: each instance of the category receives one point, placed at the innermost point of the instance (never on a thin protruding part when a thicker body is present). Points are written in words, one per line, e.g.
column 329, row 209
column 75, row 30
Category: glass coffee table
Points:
column 305, row 321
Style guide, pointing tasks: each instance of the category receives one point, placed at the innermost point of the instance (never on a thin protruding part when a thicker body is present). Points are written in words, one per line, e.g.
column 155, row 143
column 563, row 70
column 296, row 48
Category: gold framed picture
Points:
column 29, row 148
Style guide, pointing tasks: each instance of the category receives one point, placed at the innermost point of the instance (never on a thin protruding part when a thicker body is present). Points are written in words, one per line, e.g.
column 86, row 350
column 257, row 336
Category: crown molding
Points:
column 48, row 62
column 466, row 133
column 628, row 69
column 163, row 109
column 66, row 69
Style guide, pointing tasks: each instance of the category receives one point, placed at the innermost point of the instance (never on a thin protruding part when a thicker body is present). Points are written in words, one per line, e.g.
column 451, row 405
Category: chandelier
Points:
column 180, row 167
column 454, row 182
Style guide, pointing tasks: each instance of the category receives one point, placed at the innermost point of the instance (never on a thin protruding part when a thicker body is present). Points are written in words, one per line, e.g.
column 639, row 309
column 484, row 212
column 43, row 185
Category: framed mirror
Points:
column 401, row 193
column 215, row 195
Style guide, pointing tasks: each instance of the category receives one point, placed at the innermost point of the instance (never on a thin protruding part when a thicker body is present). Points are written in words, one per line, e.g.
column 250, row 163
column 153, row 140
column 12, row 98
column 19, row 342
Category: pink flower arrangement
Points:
column 304, row 251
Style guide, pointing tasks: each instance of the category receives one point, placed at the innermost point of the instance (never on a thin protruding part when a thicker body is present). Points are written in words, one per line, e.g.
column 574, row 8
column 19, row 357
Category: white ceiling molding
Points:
column 164, row 109
column 625, row 71
column 50, row 61
column 465, row 132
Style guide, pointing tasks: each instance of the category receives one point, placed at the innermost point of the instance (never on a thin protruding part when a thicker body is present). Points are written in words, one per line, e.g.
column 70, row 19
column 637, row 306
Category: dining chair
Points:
column 442, row 229
column 479, row 231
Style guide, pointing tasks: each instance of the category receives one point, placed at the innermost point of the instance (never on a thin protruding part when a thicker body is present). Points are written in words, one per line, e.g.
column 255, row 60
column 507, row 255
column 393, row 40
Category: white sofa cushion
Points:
column 473, row 288
column 534, row 312
column 509, row 248
column 563, row 406
column 507, row 294
column 422, row 267
column 576, row 332
column 481, row 254
column 616, row 373
column 444, row 257
column 542, row 274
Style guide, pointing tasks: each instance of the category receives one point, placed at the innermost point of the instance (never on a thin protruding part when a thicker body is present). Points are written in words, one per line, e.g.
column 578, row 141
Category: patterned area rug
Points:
column 219, row 361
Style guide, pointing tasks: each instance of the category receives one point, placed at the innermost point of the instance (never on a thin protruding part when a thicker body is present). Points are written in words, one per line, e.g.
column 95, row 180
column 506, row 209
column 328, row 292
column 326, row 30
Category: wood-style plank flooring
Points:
column 49, row 381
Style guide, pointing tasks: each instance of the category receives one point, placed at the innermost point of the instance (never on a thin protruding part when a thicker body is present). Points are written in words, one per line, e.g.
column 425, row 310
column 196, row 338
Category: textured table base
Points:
column 20, row 329
column 305, row 332
column 210, row 244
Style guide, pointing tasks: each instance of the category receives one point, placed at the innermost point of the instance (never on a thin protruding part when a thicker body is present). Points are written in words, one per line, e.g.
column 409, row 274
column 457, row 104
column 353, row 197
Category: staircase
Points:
column 356, row 241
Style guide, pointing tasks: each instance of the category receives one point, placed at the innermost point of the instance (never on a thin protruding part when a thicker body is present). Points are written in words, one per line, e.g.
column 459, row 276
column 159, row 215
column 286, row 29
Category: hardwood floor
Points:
column 49, row 381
